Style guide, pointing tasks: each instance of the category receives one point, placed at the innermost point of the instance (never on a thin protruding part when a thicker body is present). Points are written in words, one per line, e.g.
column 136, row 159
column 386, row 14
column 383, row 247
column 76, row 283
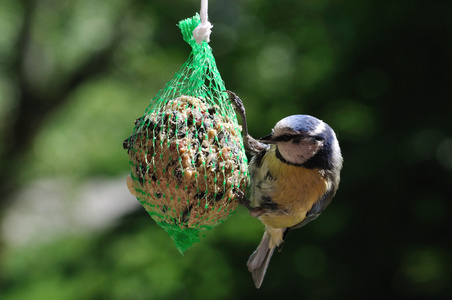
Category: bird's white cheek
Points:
column 290, row 152
column 310, row 150
column 299, row 153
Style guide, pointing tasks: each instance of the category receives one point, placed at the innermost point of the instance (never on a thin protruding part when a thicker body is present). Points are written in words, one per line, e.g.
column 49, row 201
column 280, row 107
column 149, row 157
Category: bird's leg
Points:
column 249, row 142
column 254, row 211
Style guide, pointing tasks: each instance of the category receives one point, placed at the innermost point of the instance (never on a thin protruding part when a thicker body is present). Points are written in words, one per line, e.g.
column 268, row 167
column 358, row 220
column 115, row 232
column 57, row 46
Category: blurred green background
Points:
column 74, row 75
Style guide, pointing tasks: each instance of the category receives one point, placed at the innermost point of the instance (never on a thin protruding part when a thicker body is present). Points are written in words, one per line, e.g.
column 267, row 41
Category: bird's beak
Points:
column 268, row 139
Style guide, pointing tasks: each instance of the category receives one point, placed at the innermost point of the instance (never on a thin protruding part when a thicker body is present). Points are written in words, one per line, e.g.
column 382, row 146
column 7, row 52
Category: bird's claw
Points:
column 243, row 200
column 236, row 102
column 249, row 142
column 254, row 211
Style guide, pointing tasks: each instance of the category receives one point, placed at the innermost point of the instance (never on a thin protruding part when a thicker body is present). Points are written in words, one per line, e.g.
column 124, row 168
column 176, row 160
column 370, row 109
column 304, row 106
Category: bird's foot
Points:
column 249, row 142
column 237, row 103
column 254, row 211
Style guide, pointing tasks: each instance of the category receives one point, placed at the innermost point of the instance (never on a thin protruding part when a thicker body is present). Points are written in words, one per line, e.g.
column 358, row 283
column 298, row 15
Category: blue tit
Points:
column 295, row 173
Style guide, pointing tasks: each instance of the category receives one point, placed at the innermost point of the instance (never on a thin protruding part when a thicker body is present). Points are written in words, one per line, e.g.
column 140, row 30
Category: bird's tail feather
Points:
column 259, row 260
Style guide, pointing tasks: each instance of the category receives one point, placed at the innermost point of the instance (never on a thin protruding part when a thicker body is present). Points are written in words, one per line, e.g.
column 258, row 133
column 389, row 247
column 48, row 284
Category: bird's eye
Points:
column 284, row 138
column 318, row 138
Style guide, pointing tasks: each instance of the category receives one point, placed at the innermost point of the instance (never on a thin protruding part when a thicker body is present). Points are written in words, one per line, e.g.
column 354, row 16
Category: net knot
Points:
column 203, row 31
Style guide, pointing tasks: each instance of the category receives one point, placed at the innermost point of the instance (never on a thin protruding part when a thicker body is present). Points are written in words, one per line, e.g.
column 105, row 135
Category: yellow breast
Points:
column 295, row 189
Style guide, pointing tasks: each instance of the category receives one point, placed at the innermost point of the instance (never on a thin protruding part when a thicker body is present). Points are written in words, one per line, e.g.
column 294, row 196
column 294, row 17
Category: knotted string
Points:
column 203, row 31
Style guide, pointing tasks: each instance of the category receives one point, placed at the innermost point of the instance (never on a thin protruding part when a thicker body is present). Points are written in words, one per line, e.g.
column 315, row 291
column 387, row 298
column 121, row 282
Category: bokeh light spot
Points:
column 444, row 153
column 425, row 143
column 310, row 261
column 351, row 119
column 423, row 271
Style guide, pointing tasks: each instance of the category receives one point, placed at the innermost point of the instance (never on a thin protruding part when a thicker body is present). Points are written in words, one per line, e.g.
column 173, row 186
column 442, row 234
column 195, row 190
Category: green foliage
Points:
column 377, row 71
column 139, row 261
column 86, row 131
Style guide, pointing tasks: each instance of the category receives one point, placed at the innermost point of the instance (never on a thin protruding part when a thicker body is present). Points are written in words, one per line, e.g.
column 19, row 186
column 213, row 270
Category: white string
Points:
column 203, row 31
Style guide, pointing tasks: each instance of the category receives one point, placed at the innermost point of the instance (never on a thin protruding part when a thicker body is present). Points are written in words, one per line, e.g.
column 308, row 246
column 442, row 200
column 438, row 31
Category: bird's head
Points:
column 307, row 141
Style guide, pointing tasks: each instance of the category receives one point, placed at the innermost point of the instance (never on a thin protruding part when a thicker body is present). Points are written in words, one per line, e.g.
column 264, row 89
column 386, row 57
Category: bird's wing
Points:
column 317, row 208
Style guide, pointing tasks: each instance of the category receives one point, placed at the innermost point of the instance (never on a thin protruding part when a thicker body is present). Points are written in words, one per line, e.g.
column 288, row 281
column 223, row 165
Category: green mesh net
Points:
column 186, row 153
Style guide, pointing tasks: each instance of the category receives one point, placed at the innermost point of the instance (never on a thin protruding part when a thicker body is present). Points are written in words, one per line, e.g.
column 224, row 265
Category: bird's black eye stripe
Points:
column 283, row 138
column 318, row 138
column 296, row 138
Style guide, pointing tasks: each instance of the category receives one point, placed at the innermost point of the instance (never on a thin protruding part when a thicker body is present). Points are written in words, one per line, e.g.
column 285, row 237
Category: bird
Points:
column 294, row 175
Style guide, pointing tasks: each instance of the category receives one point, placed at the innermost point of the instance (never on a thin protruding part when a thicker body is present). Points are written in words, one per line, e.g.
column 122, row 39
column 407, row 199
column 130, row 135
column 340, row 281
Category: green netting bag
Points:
column 186, row 153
